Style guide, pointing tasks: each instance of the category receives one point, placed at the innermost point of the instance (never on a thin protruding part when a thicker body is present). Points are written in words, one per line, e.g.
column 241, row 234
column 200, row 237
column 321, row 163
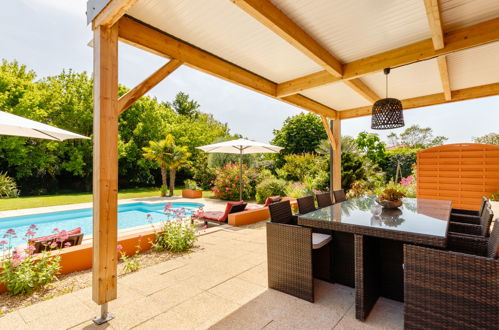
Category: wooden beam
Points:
column 274, row 19
column 113, row 11
column 105, row 164
column 361, row 88
column 310, row 105
column 444, row 77
column 142, row 36
column 454, row 41
column 434, row 99
column 336, row 170
column 330, row 136
column 303, row 83
column 134, row 94
column 435, row 23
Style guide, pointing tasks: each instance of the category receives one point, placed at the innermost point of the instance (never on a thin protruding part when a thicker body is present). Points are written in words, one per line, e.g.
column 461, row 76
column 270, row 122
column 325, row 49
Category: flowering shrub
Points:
column 177, row 234
column 131, row 263
column 22, row 272
column 226, row 184
column 270, row 187
column 297, row 190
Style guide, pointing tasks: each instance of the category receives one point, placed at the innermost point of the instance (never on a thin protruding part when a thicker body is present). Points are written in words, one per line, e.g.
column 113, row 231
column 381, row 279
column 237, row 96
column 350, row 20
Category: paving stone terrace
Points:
column 222, row 285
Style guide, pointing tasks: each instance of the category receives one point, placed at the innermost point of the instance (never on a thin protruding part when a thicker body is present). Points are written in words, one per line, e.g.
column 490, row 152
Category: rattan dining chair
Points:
column 290, row 253
column 452, row 290
column 339, row 196
column 306, row 204
column 480, row 229
column 470, row 216
column 324, row 199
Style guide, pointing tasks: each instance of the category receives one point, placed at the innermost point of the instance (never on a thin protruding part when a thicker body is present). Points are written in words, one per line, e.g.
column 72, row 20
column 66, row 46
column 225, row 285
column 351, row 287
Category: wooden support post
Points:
column 105, row 166
column 336, row 168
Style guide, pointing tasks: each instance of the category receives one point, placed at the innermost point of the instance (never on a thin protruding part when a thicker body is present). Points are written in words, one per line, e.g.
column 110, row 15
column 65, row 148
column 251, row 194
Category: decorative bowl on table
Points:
column 387, row 204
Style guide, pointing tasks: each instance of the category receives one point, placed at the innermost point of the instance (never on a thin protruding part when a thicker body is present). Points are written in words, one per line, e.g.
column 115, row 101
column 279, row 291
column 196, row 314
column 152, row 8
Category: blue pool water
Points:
column 129, row 215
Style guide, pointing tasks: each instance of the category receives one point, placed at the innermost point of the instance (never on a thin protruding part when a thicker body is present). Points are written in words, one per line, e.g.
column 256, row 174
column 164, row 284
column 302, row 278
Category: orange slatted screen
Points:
column 462, row 173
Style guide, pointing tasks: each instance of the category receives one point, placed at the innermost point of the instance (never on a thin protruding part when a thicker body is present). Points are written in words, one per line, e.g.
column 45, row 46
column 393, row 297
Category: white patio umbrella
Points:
column 241, row 147
column 19, row 126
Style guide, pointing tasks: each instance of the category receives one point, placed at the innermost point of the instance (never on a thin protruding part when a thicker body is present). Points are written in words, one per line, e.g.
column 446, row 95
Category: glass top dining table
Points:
column 420, row 221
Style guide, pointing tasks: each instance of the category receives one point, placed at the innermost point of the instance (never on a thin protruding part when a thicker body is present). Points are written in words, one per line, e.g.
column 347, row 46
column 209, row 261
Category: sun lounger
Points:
column 219, row 216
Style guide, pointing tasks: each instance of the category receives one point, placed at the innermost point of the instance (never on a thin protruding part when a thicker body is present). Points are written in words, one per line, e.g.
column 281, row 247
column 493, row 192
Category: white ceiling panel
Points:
column 223, row 29
column 337, row 96
column 457, row 14
column 422, row 78
column 351, row 30
column 474, row 67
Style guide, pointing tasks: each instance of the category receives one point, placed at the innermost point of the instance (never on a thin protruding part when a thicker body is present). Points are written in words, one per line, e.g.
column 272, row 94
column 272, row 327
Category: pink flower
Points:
column 30, row 249
column 55, row 230
column 11, row 232
column 63, row 235
column 53, row 245
column 3, row 243
column 67, row 244
column 119, row 247
column 30, row 233
column 33, row 227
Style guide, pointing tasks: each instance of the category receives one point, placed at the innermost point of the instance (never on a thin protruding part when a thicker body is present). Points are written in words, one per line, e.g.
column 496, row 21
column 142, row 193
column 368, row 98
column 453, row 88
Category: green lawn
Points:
column 51, row 200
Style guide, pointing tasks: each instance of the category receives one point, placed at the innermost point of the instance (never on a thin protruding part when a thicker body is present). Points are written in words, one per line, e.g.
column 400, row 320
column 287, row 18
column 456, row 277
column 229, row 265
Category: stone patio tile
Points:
column 90, row 325
column 126, row 295
column 175, row 295
column 234, row 267
column 237, row 290
column 386, row 314
column 147, row 282
column 336, row 296
column 256, row 275
column 207, row 279
column 12, row 321
column 54, row 313
column 134, row 313
column 205, row 309
column 166, row 266
column 169, row 320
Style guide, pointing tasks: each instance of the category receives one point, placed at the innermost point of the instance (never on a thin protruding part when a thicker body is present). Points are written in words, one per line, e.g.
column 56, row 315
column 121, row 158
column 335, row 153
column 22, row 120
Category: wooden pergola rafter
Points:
column 110, row 23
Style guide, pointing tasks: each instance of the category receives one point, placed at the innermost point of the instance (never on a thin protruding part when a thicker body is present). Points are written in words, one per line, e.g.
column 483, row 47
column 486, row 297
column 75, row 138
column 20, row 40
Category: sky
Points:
column 51, row 35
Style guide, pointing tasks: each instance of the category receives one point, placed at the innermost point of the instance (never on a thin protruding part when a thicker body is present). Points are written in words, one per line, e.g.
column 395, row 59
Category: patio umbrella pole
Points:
column 105, row 316
column 241, row 174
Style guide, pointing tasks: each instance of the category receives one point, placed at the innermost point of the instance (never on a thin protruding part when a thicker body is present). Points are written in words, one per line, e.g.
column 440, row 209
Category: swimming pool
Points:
column 129, row 215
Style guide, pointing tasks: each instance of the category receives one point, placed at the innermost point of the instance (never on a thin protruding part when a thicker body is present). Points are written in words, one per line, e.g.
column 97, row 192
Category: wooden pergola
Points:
column 323, row 56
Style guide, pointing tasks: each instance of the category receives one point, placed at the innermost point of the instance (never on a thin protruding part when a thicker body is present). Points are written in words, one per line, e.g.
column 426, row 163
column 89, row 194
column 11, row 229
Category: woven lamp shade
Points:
column 387, row 114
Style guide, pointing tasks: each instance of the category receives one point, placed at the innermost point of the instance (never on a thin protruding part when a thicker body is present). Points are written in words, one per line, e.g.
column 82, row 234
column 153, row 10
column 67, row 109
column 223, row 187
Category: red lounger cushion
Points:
column 272, row 199
column 49, row 237
column 217, row 215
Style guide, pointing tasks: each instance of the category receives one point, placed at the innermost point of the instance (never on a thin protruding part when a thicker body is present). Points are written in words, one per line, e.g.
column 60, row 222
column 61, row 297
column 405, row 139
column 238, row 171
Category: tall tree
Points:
column 491, row 138
column 416, row 137
column 299, row 134
column 371, row 146
column 183, row 105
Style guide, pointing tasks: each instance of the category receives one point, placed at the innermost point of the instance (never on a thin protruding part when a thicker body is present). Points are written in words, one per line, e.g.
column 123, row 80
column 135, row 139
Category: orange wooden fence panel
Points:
column 462, row 173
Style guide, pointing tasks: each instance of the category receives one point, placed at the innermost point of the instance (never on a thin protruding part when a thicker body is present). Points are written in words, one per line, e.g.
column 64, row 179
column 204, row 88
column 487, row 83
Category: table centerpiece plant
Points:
column 390, row 198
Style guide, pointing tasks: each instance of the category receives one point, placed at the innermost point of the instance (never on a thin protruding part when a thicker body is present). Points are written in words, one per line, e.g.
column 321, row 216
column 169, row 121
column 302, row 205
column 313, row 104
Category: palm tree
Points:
column 159, row 152
column 179, row 157
column 167, row 155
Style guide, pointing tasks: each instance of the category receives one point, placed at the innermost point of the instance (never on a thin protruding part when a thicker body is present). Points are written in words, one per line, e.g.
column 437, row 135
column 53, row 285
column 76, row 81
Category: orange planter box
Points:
column 189, row 193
